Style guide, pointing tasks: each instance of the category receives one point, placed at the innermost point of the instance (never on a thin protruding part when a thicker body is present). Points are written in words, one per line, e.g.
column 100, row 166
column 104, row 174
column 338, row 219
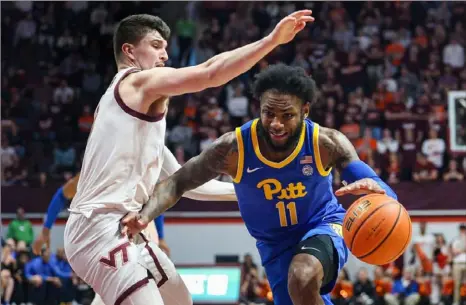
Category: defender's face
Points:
column 281, row 119
column 151, row 51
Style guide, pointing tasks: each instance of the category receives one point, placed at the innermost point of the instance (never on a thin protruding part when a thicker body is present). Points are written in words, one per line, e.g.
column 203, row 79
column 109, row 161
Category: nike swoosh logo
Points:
column 309, row 248
column 252, row 170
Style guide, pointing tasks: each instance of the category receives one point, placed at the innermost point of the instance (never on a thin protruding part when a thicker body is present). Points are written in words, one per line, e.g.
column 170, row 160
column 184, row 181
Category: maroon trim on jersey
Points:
column 164, row 278
column 132, row 289
column 132, row 112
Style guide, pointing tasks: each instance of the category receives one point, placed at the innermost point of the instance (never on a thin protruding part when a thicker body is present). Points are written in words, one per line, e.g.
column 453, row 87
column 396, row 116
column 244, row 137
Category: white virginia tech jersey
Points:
column 123, row 157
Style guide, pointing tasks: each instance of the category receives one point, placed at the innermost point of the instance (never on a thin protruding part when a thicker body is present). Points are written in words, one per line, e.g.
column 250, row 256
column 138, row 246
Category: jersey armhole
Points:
column 240, row 166
column 315, row 143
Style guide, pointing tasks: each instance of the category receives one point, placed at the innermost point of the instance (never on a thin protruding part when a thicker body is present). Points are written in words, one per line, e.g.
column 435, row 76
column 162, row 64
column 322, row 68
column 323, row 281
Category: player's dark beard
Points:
column 290, row 143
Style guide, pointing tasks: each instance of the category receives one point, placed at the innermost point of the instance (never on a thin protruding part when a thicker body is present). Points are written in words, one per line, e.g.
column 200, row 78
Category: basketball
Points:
column 377, row 229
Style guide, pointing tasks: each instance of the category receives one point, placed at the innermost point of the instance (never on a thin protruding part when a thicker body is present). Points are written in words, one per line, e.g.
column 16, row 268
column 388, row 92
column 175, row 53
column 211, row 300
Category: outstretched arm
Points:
column 337, row 151
column 220, row 69
column 212, row 190
column 221, row 157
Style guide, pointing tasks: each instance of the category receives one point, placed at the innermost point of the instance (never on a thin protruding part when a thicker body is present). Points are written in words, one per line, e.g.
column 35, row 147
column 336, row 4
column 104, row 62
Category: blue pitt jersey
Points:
column 281, row 201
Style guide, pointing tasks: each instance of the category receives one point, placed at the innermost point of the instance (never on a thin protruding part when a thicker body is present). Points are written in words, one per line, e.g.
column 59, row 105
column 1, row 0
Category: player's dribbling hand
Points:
column 361, row 187
column 132, row 224
column 289, row 26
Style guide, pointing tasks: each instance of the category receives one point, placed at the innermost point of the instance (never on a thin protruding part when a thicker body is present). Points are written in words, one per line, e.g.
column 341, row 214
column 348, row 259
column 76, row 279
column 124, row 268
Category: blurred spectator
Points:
column 25, row 30
column 405, row 290
column 453, row 54
column 63, row 94
column 423, row 249
column 9, row 156
column 365, row 146
column 43, row 278
column 387, row 144
column 458, row 249
column 65, row 273
column 364, row 292
column 248, row 264
column 237, row 103
column 453, row 174
column 64, row 158
column 434, row 148
column 382, row 283
column 20, row 229
column 424, row 170
column 342, row 293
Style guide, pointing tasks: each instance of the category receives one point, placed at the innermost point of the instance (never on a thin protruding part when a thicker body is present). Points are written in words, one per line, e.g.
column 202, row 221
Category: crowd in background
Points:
column 383, row 69
column 435, row 274
column 46, row 279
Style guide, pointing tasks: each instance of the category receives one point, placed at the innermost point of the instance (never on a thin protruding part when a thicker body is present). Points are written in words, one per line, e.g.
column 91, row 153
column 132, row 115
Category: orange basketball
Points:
column 377, row 229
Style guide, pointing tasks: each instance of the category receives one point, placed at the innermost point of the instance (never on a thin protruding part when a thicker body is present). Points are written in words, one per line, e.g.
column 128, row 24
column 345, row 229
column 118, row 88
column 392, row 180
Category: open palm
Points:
column 291, row 25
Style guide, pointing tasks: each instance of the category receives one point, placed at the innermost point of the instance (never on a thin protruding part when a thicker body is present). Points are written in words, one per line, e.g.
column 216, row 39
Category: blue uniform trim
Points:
column 55, row 207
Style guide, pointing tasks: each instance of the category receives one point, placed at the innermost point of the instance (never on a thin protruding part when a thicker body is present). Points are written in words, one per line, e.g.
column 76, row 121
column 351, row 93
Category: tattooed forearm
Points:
column 336, row 149
column 215, row 160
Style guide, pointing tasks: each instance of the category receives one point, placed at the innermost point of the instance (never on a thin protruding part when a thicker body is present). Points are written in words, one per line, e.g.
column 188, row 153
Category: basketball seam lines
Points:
column 406, row 242
column 389, row 233
column 364, row 221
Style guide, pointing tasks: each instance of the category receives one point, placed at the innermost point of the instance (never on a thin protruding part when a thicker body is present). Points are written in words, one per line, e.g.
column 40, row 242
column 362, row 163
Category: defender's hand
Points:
column 132, row 224
column 291, row 25
column 361, row 187
column 43, row 238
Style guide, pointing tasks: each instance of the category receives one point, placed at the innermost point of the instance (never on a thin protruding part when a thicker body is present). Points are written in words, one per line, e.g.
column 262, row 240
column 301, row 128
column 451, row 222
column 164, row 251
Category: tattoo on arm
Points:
column 338, row 149
column 215, row 160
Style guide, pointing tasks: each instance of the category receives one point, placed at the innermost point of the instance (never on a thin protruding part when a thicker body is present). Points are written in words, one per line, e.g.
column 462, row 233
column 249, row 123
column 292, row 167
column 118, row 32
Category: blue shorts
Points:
column 277, row 268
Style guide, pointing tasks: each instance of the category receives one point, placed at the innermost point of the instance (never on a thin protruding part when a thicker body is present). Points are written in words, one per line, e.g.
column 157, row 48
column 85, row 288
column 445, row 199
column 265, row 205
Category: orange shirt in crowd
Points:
column 383, row 286
column 342, row 289
column 395, row 51
column 447, row 286
column 363, row 151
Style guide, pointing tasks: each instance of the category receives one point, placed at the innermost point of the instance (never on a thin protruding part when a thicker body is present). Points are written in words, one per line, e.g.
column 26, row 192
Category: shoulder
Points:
column 331, row 139
column 335, row 148
column 227, row 141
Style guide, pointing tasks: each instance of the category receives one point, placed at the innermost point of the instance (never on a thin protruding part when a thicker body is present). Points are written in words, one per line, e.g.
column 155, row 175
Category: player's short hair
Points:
column 286, row 80
column 133, row 28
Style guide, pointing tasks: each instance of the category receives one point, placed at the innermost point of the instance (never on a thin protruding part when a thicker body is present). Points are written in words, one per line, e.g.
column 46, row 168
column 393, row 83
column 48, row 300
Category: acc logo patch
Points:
column 307, row 170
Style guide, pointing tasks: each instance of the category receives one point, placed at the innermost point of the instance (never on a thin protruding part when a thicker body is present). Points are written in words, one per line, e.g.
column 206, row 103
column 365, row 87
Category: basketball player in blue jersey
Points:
column 281, row 164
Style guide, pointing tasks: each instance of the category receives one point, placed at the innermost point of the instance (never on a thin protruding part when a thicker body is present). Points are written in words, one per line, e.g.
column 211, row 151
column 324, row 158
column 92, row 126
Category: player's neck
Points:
column 272, row 154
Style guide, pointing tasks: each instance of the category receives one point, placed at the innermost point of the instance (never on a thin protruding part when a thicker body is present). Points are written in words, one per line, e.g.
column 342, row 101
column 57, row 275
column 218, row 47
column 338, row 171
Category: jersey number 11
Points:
column 282, row 208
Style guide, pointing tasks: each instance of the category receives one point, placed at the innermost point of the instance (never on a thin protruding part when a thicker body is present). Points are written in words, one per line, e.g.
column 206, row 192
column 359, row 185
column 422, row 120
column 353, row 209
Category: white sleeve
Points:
column 212, row 190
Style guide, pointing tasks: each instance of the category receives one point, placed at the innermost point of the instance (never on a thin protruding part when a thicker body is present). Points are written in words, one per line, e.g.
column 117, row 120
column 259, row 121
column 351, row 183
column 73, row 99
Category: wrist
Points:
column 45, row 231
column 268, row 41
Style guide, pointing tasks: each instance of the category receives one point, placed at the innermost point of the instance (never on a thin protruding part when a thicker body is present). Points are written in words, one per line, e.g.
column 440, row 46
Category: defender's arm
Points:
column 219, row 158
column 220, row 69
column 337, row 151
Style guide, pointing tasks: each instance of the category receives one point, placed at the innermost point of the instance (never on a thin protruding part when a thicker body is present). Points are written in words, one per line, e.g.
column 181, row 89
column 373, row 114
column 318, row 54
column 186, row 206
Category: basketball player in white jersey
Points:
column 124, row 156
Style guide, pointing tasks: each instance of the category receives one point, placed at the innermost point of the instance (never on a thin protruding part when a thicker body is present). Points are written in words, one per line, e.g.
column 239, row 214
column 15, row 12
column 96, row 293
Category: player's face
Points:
column 151, row 51
column 281, row 119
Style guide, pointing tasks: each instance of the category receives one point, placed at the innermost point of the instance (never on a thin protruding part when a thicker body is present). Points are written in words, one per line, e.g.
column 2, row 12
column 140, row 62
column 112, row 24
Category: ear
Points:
column 306, row 109
column 128, row 50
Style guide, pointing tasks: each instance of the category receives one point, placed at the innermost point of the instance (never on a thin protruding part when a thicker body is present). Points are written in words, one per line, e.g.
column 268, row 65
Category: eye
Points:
column 268, row 113
column 288, row 116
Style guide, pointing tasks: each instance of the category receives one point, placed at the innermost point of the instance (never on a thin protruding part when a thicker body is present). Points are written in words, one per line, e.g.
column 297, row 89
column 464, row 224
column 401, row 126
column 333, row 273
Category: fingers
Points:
column 360, row 188
column 300, row 26
column 306, row 19
column 301, row 13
